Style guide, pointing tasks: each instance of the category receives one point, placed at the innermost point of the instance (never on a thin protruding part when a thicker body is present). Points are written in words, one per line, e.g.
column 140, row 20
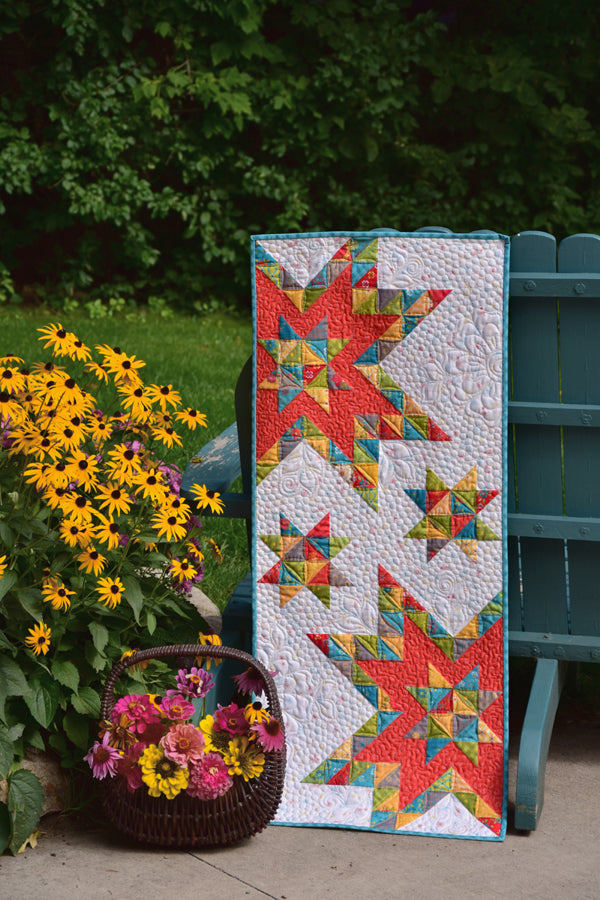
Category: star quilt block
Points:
column 379, row 550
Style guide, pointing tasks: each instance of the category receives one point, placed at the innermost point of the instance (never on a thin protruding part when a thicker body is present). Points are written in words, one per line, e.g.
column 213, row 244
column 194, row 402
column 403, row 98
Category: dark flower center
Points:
column 81, row 502
column 61, row 333
column 70, row 383
column 129, row 454
column 166, row 768
column 114, row 589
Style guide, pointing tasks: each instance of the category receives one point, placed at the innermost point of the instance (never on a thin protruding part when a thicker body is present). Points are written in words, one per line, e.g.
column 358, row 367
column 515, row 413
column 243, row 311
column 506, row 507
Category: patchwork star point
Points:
column 454, row 714
column 451, row 514
column 303, row 364
column 305, row 560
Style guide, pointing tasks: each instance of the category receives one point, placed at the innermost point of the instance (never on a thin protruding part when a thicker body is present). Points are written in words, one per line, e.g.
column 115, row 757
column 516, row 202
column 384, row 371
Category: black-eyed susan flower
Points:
column 77, row 507
column 9, row 360
column 98, row 371
column 91, row 561
column 150, row 483
column 191, row 417
column 11, row 409
column 79, row 351
column 99, row 429
column 66, row 437
column 255, row 712
column 182, row 570
column 136, row 402
column 57, row 474
column 53, row 496
column 11, row 380
column 36, row 473
column 194, row 552
column 38, row 638
column 166, row 435
column 110, row 591
column 75, row 534
column 168, row 525
column 107, row 532
column 124, row 462
column 164, row 395
column 57, row 594
column 207, row 499
column 114, row 498
column 58, row 338
column 213, row 640
column 25, row 439
column 174, row 504
column 82, row 469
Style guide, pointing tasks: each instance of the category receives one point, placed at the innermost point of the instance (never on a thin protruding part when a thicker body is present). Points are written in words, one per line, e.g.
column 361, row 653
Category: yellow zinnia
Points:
column 162, row 775
column 244, row 758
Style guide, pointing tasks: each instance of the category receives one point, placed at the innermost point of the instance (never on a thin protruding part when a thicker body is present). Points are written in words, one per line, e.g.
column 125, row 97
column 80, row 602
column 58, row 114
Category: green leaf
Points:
column 5, row 644
column 6, row 535
column 65, row 673
column 35, row 739
column 6, row 752
column 4, row 827
column 133, row 595
column 87, row 702
column 7, row 581
column 96, row 660
column 77, row 729
column 25, row 802
column 42, row 702
column 16, row 685
column 31, row 601
column 99, row 635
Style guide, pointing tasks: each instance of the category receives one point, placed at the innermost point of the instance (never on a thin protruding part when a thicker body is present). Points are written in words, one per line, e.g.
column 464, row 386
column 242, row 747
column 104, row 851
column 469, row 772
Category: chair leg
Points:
column 545, row 693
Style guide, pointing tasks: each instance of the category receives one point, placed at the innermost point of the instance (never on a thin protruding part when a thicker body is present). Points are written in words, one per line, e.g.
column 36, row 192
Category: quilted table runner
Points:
column 379, row 550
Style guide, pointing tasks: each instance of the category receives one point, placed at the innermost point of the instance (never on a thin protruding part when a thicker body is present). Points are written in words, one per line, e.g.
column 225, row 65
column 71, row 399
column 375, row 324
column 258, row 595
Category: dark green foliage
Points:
column 141, row 143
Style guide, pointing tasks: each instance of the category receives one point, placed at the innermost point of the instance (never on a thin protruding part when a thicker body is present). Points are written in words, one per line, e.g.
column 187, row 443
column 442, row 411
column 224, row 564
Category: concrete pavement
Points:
column 560, row 859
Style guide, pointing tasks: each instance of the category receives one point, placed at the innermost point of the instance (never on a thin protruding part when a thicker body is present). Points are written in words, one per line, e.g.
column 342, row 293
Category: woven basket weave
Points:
column 185, row 822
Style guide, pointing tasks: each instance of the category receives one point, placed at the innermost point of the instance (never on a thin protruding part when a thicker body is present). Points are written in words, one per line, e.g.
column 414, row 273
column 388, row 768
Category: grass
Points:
column 200, row 357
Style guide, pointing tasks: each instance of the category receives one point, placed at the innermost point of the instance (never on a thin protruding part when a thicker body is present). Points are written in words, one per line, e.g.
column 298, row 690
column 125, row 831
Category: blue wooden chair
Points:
column 554, row 482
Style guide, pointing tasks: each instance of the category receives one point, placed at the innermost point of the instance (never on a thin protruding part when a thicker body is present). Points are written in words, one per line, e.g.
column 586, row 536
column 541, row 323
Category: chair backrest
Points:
column 554, row 439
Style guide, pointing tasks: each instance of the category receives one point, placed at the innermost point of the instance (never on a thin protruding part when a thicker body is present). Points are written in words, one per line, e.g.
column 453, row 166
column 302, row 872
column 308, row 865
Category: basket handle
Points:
column 174, row 650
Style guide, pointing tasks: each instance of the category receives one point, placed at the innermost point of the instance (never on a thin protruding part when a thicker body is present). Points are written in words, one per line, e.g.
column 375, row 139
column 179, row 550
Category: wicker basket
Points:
column 185, row 822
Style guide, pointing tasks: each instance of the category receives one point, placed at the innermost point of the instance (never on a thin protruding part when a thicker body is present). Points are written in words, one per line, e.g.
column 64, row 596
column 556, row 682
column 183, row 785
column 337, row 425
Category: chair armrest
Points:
column 217, row 465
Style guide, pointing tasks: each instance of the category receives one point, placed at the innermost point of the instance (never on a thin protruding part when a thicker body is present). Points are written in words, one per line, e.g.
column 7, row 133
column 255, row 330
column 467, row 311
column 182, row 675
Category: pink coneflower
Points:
column 176, row 707
column 183, row 744
column 269, row 734
column 194, row 682
column 231, row 718
column 102, row 758
column 250, row 682
column 139, row 709
column 209, row 778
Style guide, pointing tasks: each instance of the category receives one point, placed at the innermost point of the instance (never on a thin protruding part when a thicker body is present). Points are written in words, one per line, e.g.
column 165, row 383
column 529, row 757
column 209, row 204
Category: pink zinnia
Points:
column 176, row 707
column 183, row 744
column 269, row 734
column 139, row 709
column 250, row 682
column 209, row 777
column 102, row 758
column 194, row 682
column 129, row 767
column 231, row 718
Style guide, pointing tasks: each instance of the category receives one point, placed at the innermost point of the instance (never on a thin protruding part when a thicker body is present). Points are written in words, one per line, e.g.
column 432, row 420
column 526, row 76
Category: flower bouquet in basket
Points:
column 177, row 776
